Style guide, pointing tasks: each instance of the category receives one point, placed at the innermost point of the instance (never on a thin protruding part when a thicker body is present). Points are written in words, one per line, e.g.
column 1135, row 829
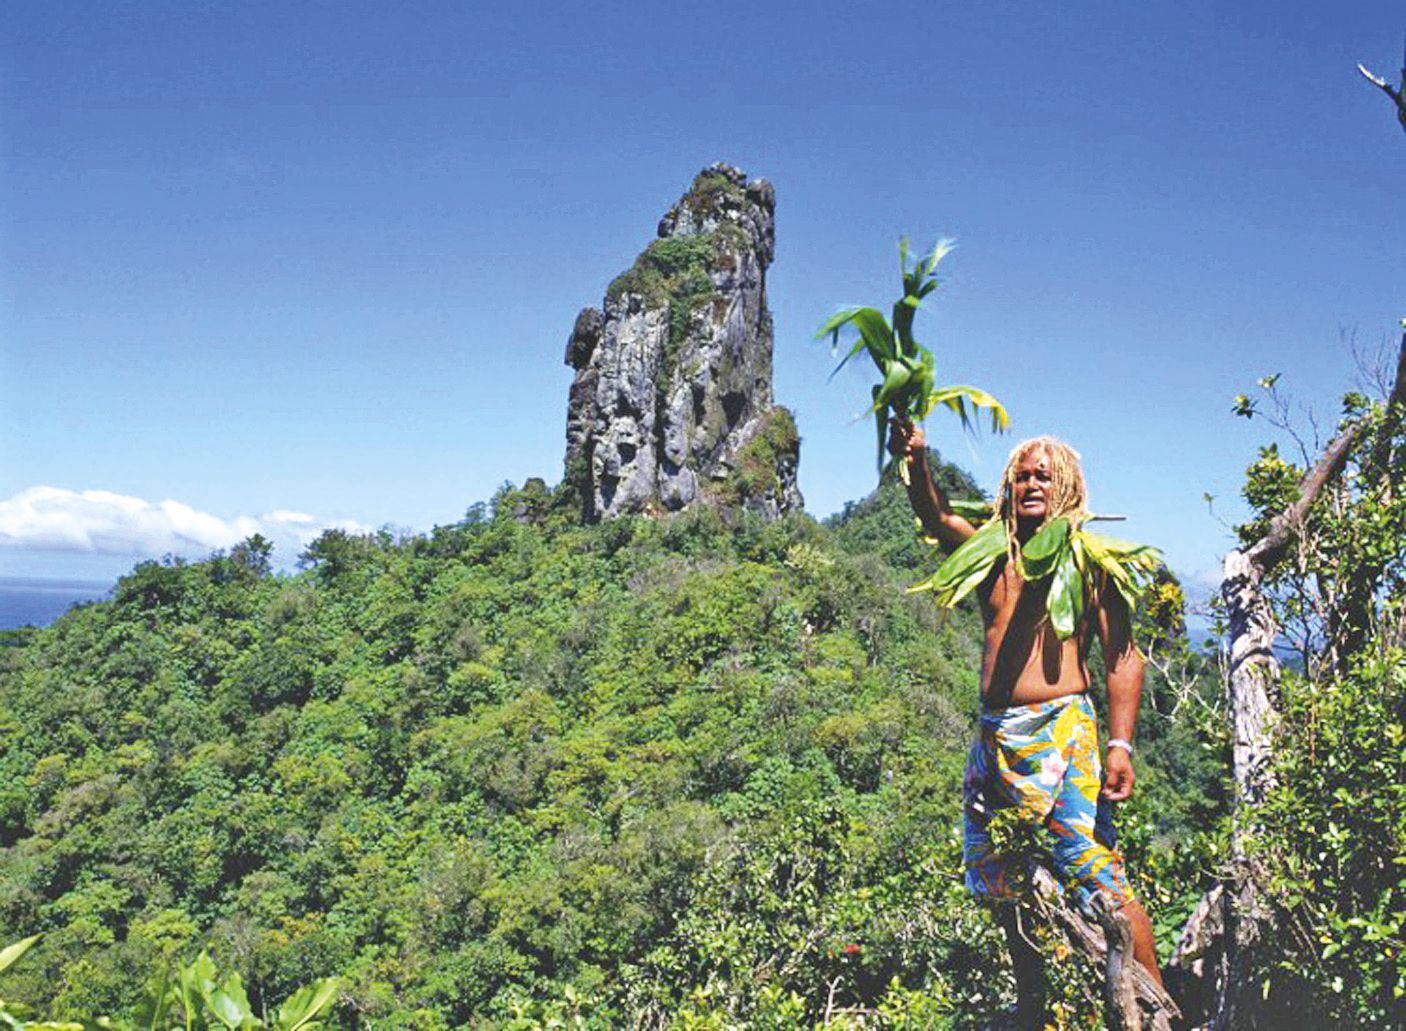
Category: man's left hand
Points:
column 1117, row 775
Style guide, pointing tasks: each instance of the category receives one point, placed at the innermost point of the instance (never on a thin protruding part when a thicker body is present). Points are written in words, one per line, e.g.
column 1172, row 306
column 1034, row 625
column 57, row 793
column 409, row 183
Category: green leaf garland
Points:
column 1070, row 555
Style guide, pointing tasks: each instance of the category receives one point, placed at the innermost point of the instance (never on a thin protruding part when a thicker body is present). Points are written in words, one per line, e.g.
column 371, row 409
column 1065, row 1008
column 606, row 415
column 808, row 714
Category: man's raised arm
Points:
column 907, row 443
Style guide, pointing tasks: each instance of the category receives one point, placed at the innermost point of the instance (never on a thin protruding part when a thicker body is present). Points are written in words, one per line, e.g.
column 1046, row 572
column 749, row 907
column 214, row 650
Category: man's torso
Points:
column 1023, row 660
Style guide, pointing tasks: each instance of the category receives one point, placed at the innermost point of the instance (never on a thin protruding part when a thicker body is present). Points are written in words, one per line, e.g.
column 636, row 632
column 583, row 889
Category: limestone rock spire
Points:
column 671, row 405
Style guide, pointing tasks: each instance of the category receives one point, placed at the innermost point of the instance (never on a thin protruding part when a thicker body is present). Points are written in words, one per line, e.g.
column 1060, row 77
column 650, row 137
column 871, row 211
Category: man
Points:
column 1037, row 752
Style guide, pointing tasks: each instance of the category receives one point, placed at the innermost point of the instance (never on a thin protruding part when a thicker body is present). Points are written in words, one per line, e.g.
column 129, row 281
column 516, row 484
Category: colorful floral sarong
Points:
column 1041, row 761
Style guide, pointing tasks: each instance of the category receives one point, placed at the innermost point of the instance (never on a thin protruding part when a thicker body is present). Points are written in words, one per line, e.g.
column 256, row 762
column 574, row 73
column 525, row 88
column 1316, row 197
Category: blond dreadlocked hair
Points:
column 1068, row 494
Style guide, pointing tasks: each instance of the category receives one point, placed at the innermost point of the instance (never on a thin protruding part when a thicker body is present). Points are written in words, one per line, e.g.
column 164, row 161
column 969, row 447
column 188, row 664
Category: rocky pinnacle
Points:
column 671, row 405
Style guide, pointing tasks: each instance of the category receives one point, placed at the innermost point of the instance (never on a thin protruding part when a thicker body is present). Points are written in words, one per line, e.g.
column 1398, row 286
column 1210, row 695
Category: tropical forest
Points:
column 654, row 747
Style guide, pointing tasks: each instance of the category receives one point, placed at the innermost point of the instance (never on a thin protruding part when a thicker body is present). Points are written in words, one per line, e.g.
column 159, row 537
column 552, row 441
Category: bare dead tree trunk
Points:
column 1252, row 688
column 1237, row 909
column 1211, row 962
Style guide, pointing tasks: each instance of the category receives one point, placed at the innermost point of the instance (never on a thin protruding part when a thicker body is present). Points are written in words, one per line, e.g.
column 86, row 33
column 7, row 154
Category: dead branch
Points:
column 1235, row 918
column 1390, row 90
column 1133, row 999
column 1350, row 614
column 1269, row 549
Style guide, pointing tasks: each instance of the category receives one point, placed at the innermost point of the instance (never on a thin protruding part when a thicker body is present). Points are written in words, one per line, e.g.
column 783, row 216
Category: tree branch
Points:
column 1351, row 608
column 1394, row 92
column 1133, row 999
column 1395, row 408
column 1269, row 549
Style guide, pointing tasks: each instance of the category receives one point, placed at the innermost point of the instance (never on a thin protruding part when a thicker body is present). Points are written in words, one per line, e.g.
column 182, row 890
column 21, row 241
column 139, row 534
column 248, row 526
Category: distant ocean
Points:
column 40, row 602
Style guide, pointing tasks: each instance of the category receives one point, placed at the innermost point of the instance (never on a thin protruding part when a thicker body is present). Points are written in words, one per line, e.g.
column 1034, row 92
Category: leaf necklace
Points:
column 1062, row 550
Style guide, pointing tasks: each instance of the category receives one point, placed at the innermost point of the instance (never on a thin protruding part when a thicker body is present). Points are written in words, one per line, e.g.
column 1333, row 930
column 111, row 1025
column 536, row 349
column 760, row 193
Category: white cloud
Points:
column 104, row 523
column 1207, row 578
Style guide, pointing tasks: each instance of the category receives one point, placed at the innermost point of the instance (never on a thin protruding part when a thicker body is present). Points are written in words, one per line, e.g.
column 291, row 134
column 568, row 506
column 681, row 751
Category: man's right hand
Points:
column 907, row 443
column 905, row 439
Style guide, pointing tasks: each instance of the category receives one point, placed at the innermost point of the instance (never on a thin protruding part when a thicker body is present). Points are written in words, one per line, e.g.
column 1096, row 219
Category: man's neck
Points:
column 1025, row 529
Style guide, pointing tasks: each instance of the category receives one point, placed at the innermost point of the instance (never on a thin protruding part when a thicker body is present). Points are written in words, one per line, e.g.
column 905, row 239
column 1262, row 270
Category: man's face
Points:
column 1030, row 493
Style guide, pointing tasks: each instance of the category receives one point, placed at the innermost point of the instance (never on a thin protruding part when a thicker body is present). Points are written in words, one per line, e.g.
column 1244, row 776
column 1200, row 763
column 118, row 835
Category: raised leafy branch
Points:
column 907, row 367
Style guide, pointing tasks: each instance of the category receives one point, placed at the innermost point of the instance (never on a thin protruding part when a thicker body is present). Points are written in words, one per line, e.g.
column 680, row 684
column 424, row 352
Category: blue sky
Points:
column 289, row 266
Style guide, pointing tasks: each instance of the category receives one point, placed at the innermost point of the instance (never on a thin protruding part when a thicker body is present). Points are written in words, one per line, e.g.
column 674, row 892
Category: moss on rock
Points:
column 711, row 190
column 756, row 468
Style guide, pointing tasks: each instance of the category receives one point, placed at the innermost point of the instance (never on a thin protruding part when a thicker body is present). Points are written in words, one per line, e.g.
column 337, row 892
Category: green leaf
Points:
column 874, row 335
column 957, row 398
column 968, row 566
column 11, row 953
column 196, row 981
column 1066, row 597
column 895, row 379
column 835, row 323
column 1041, row 551
column 909, row 396
column 230, row 1005
column 972, row 511
column 944, row 247
column 878, row 337
column 881, row 425
column 307, row 1004
column 1141, row 557
column 156, row 1000
column 858, row 346
column 922, row 382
